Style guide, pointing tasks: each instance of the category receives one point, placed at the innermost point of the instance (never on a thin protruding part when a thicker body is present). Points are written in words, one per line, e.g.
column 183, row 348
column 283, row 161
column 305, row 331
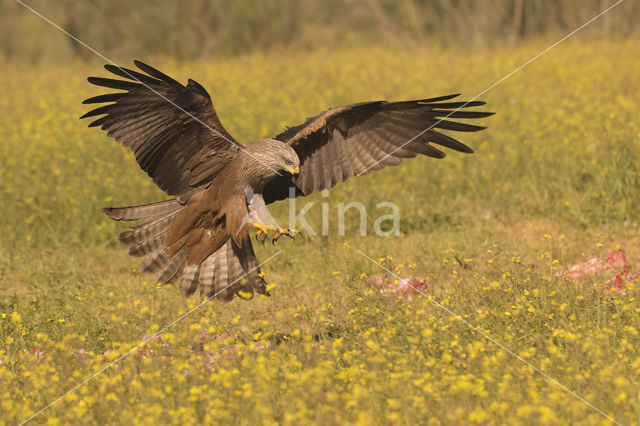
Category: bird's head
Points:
column 288, row 160
column 275, row 157
column 266, row 159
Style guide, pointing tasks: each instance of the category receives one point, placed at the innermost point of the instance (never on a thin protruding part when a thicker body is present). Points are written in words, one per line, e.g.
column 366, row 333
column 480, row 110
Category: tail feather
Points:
column 148, row 238
column 155, row 262
column 190, row 279
column 147, row 230
column 146, row 211
column 147, row 247
column 230, row 270
column 221, row 277
column 244, row 271
column 207, row 270
column 175, row 265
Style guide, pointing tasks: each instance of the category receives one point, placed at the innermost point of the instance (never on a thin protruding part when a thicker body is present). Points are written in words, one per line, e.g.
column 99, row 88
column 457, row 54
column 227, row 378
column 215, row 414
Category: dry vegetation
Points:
column 205, row 29
column 554, row 181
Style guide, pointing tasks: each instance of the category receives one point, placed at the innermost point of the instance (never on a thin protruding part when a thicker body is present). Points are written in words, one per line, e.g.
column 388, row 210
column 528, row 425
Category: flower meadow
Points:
column 497, row 244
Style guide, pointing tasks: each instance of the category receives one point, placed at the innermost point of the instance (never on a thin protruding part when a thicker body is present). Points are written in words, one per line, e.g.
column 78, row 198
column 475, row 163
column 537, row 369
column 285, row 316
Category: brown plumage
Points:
column 201, row 237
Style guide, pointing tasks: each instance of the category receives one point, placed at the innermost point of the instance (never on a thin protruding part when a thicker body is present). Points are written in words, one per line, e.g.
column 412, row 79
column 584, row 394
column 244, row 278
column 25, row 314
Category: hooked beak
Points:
column 294, row 171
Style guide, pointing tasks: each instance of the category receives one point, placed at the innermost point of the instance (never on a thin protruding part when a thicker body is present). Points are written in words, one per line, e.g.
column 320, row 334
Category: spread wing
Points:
column 357, row 139
column 172, row 129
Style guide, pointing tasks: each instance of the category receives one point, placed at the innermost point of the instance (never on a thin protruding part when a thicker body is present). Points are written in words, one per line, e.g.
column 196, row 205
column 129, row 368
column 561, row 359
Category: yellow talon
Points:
column 263, row 231
column 264, row 228
column 291, row 233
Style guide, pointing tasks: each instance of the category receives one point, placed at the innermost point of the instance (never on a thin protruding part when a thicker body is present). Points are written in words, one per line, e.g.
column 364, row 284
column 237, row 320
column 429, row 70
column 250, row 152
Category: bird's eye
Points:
column 288, row 161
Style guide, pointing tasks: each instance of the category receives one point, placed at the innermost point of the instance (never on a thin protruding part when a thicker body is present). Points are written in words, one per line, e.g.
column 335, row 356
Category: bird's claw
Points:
column 291, row 233
column 263, row 231
column 261, row 236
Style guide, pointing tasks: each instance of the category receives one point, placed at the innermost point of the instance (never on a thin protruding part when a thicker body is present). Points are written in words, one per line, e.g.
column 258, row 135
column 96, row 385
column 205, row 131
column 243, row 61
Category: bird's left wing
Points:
column 357, row 139
column 173, row 130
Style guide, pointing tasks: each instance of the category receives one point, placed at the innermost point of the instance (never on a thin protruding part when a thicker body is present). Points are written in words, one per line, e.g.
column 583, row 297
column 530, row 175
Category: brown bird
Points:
column 222, row 187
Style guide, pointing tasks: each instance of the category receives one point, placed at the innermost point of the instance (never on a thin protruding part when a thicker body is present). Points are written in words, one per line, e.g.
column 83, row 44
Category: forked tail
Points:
column 230, row 270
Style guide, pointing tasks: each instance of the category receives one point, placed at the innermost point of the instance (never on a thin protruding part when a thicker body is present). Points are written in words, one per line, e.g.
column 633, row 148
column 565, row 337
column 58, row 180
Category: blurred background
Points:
column 204, row 29
column 553, row 183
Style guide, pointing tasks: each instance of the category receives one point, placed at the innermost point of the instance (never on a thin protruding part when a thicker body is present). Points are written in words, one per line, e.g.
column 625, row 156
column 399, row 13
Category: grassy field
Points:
column 553, row 182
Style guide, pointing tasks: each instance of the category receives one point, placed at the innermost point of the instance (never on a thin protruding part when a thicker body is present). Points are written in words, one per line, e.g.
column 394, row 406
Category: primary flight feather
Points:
column 222, row 187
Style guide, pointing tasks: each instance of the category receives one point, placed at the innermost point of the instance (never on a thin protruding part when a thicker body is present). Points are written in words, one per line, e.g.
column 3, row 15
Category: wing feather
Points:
column 344, row 155
column 165, row 124
column 130, row 74
column 392, row 142
column 109, row 97
column 459, row 127
column 357, row 139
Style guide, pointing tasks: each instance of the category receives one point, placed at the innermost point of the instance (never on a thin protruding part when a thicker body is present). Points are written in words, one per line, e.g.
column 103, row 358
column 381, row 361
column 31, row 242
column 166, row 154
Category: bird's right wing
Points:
column 173, row 130
column 357, row 139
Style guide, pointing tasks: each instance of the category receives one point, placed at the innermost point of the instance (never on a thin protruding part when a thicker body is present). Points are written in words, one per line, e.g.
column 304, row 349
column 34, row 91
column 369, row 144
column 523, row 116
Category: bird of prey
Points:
column 221, row 187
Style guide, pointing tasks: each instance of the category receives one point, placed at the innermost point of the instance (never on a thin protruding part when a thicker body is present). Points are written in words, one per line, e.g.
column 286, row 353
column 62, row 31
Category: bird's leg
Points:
column 263, row 231
column 260, row 218
column 291, row 233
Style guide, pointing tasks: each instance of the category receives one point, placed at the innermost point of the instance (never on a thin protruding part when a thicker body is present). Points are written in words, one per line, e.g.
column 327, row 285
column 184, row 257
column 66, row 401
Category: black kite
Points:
column 201, row 237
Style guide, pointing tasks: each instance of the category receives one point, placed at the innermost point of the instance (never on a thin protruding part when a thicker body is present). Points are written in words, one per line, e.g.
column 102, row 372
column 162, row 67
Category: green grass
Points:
column 553, row 181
